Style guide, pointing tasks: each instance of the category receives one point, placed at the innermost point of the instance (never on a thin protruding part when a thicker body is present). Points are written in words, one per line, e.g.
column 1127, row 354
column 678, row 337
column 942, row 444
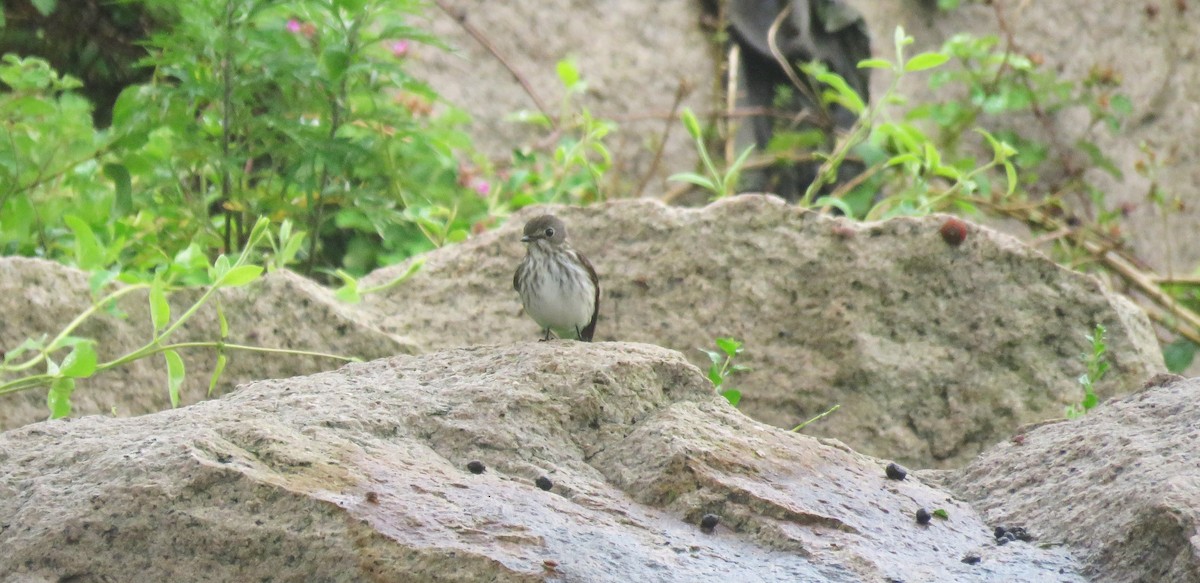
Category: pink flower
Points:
column 481, row 186
column 293, row 25
column 399, row 48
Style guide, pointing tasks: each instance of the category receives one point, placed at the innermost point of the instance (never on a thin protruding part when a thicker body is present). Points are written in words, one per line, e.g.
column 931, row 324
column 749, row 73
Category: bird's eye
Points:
column 549, row 232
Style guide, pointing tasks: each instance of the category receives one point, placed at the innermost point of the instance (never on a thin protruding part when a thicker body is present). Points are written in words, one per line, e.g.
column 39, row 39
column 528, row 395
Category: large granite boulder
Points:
column 363, row 474
column 1120, row 486
column 933, row 350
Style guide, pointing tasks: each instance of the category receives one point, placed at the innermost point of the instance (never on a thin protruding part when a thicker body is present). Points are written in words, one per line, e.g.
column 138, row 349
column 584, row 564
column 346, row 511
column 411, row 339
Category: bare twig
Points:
column 1162, row 306
column 731, row 88
column 461, row 17
column 1176, row 280
column 738, row 113
column 772, row 33
column 681, row 93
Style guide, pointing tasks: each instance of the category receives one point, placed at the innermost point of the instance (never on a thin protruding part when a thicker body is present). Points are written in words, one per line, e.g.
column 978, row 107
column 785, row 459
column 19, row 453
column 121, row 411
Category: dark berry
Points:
column 896, row 471
column 709, row 522
column 923, row 516
column 972, row 559
column 954, row 232
column 999, row 532
column 544, row 483
column 476, row 467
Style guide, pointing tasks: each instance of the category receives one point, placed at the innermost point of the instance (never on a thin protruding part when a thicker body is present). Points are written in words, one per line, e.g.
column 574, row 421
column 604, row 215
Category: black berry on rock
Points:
column 896, row 471
column 544, row 483
column 476, row 467
column 923, row 516
column 709, row 522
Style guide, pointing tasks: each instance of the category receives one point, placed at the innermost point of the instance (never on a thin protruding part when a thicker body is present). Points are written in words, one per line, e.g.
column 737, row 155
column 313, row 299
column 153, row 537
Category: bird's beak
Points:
column 527, row 239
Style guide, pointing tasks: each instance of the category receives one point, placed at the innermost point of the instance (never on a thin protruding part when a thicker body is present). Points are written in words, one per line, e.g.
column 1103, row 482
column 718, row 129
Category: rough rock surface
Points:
column 283, row 310
column 933, row 351
column 633, row 56
column 360, row 474
column 1120, row 485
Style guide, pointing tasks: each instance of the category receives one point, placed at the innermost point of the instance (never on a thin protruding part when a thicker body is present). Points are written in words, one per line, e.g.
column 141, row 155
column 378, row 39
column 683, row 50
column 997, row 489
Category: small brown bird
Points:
column 557, row 284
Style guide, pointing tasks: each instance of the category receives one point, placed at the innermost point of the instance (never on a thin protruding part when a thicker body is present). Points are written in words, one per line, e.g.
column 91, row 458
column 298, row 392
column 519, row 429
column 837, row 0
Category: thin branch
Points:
column 731, row 88
column 772, row 43
column 460, row 16
column 681, row 92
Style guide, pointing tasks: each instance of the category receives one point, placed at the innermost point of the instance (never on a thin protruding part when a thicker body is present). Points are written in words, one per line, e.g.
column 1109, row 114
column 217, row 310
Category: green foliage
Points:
column 299, row 111
column 1097, row 366
column 81, row 361
column 722, row 368
column 720, row 183
column 47, row 148
column 817, row 418
column 1179, row 355
column 574, row 172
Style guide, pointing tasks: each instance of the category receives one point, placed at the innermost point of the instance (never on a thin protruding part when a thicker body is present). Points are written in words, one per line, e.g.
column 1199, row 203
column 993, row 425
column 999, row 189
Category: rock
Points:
column 283, row 310
column 633, row 55
column 1119, row 485
column 360, row 474
column 933, row 351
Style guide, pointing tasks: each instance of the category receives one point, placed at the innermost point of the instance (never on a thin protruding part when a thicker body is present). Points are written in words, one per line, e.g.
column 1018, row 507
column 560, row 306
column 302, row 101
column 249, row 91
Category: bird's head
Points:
column 546, row 228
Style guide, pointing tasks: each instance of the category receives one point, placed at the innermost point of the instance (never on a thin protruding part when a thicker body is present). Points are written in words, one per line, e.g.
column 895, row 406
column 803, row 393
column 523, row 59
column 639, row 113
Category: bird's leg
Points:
column 578, row 333
column 547, row 336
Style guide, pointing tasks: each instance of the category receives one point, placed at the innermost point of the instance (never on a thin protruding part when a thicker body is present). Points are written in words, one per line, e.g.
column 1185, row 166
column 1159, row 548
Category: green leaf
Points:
column 925, row 61
column 45, row 7
column 261, row 229
column 835, row 202
column 941, row 513
column 241, row 275
column 714, row 375
column 219, row 268
column 693, row 178
column 1010, row 174
column 27, row 345
column 81, row 362
column 1090, row 401
column 1121, row 105
column 1179, row 355
column 691, row 123
column 89, row 254
column 123, row 200
column 729, row 345
column 348, row 292
column 874, row 64
column 842, row 92
column 59, row 397
column 568, row 72
column 734, row 396
column 334, row 62
column 101, row 278
column 736, row 168
column 223, row 323
column 216, row 375
column 160, row 309
column 175, row 374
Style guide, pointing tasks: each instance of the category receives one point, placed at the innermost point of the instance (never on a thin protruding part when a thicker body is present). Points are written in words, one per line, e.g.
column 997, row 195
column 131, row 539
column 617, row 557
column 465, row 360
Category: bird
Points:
column 558, row 285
